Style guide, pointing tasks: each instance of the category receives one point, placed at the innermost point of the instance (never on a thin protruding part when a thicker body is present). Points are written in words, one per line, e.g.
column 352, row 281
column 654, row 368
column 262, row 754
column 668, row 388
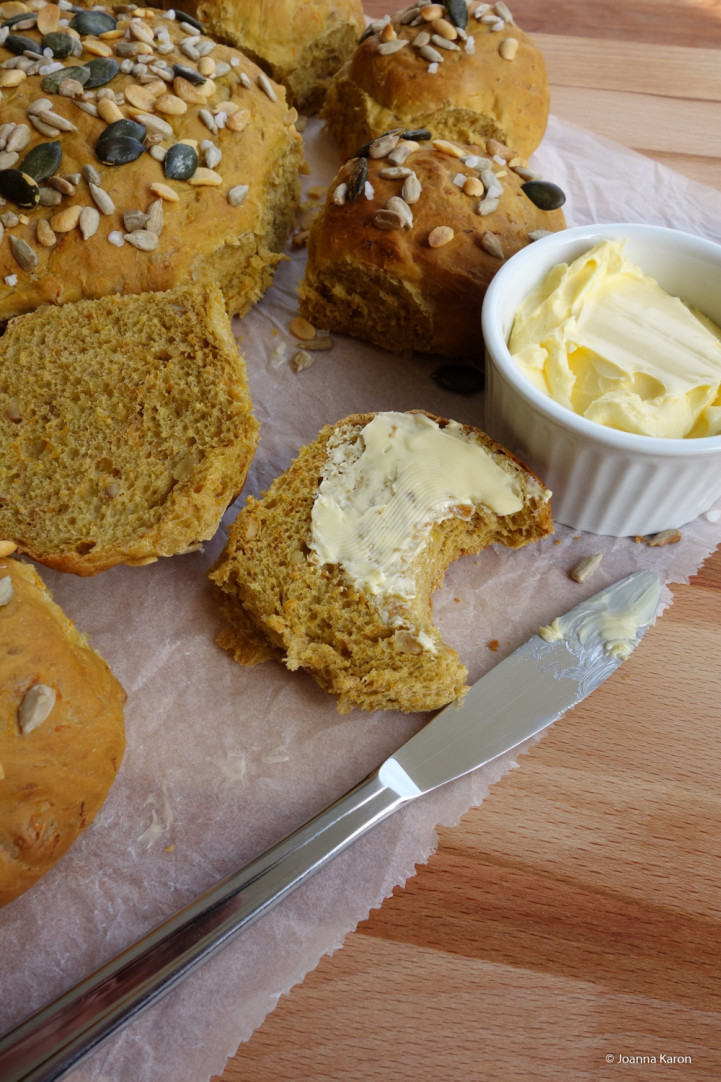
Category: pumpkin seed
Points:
column 126, row 126
column 19, row 45
column 544, row 194
column 93, row 22
column 59, row 44
column 180, row 162
column 51, row 82
column 357, row 180
column 118, row 150
column 457, row 12
column 19, row 188
column 459, row 378
column 42, row 161
column 102, row 70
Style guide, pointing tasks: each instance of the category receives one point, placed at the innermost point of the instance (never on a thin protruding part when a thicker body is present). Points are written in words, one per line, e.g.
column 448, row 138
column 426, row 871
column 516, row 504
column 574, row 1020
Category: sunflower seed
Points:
column 585, row 567
column 491, row 244
column 49, row 197
column 487, row 205
column 142, row 239
column 400, row 207
column 44, row 234
column 101, row 198
column 411, row 190
column 387, row 219
column 443, row 43
column 6, row 590
column 24, row 254
column 665, row 537
column 155, row 217
column 90, row 174
column 339, row 194
column 237, row 195
column 8, row 158
column 35, row 707
column 387, row 48
column 134, row 220
column 18, row 138
column 396, row 172
column 431, row 54
column 319, row 342
column 88, row 222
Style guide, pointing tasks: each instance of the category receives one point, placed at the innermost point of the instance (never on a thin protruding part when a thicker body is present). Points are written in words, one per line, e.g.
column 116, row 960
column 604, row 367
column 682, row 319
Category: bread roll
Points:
column 126, row 428
column 299, row 44
column 170, row 104
column 466, row 71
column 61, row 730
column 411, row 273
column 361, row 624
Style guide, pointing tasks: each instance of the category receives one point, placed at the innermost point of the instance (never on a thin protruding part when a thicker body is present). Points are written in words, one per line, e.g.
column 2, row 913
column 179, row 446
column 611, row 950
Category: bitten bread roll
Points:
column 299, row 44
column 126, row 428
column 333, row 570
column 137, row 154
column 411, row 236
column 61, row 730
column 464, row 70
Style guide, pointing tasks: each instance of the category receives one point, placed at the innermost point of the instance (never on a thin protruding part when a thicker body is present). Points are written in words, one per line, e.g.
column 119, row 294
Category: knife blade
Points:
column 522, row 695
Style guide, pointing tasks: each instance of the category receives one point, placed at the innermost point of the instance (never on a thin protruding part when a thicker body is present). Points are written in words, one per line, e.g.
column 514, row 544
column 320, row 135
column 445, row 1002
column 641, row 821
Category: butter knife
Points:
column 522, row 695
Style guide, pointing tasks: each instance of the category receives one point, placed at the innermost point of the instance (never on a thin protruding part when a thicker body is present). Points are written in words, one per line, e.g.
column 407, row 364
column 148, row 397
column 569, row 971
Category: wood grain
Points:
column 576, row 915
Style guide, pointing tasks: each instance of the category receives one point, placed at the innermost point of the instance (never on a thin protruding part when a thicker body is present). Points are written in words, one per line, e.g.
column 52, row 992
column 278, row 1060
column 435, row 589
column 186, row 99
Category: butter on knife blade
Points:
column 517, row 699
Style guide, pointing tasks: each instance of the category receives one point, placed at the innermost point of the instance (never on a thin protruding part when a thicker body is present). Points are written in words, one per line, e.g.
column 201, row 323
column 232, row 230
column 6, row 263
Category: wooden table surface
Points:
column 575, row 917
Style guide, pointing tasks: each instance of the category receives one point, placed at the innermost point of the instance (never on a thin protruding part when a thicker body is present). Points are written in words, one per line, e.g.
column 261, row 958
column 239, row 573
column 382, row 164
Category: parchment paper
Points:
column 224, row 761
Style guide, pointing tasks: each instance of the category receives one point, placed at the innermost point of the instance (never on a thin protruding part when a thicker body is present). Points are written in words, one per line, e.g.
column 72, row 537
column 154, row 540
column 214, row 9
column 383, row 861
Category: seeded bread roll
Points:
column 205, row 184
column 299, row 44
column 464, row 70
column 61, row 730
column 412, row 234
column 373, row 646
column 126, row 428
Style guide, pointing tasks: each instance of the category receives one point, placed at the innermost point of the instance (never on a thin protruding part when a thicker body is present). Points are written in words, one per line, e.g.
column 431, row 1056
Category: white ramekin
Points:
column 602, row 480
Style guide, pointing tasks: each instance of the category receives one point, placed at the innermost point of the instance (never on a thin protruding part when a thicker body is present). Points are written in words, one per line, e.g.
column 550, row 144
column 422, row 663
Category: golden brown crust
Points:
column 390, row 286
column 204, row 236
column 132, row 433
column 468, row 95
column 53, row 778
column 277, row 602
column 299, row 44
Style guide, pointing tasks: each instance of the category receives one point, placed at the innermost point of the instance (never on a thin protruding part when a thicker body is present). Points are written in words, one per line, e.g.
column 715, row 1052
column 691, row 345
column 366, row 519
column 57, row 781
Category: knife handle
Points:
column 48, row 1043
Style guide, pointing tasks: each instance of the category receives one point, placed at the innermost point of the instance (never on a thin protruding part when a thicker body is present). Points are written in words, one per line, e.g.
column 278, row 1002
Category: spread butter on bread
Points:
column 332, row 571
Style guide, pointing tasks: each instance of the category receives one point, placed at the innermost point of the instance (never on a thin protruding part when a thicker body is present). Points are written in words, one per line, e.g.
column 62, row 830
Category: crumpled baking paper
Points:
column 224, row 761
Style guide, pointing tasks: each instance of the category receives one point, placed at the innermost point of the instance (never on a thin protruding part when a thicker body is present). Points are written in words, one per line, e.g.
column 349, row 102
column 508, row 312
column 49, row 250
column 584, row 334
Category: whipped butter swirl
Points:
column 384, row 488
column 605, row 340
